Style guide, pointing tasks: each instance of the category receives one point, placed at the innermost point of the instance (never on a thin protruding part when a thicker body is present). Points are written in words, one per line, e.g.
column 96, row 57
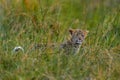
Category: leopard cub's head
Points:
column 78, row 35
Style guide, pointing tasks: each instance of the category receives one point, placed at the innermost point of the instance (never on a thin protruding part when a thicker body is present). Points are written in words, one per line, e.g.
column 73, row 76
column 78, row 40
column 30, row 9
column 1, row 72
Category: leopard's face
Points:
column 78, row 36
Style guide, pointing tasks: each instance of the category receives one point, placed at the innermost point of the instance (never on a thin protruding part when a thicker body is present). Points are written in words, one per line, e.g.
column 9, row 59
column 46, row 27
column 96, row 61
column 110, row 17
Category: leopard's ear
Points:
column 71, row 31
column 85, row 32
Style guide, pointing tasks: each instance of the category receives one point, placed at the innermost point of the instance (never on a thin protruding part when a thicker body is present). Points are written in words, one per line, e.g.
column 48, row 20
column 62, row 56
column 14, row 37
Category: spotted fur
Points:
column 72, row 45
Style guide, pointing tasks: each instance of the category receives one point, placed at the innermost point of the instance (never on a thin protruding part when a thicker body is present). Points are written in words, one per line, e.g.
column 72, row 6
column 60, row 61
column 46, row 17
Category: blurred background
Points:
column 26, row 22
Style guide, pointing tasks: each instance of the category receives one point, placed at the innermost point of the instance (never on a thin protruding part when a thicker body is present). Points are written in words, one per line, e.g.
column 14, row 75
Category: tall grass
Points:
column 29, row 22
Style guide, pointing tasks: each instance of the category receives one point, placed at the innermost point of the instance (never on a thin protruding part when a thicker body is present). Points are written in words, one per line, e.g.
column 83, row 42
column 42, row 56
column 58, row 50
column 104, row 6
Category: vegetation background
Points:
column 28, row 22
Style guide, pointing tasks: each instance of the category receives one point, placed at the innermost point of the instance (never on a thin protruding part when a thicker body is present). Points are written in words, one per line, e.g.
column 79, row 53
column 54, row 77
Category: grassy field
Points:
column 28, row 22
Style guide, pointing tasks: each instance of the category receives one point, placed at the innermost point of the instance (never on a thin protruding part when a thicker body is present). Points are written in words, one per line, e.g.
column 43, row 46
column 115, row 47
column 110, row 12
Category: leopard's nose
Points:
column 79, row 41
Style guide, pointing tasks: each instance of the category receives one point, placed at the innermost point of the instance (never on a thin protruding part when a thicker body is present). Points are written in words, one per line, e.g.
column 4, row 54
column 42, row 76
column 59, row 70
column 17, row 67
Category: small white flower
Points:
column 17, row 48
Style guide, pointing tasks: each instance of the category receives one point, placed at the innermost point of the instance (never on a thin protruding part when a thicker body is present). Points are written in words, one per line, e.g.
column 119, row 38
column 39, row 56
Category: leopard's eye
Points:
column 82, row 35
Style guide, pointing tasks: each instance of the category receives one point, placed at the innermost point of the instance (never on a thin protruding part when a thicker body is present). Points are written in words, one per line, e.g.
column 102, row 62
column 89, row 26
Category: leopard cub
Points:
column 72, row 45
